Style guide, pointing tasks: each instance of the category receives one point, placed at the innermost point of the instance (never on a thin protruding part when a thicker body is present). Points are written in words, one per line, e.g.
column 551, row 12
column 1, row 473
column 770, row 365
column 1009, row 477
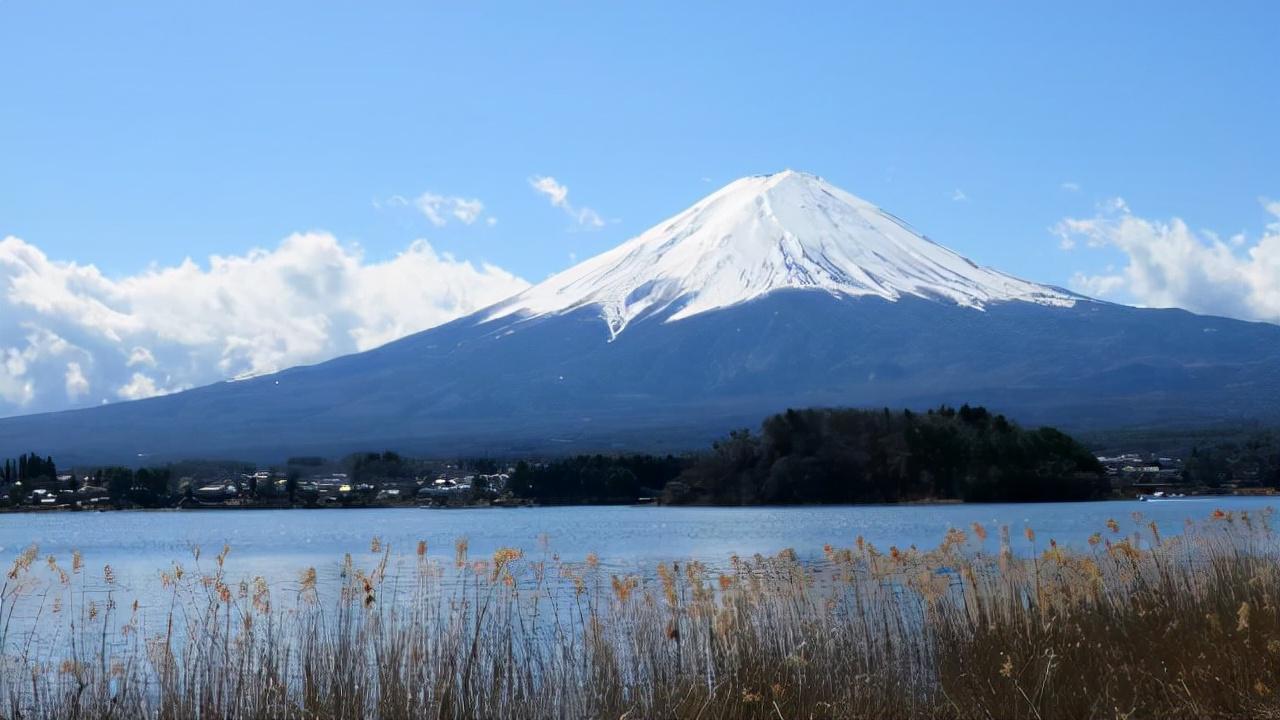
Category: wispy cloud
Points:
column 141, row 356
column 958, row 195
column 70, row 335
column 1168, row 264
column 1098, row 286
column 558, row 195
column 440, row 209
column 1070, row 186
column 1071, row 230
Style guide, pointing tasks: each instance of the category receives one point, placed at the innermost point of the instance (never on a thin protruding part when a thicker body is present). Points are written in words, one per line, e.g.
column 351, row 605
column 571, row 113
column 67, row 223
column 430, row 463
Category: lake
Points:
column 267, row 605
column 279, row 544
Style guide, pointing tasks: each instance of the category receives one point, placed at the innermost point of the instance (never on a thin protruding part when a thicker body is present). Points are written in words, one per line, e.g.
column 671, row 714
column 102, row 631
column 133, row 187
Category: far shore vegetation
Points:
column 995, row 623
column 809, row 456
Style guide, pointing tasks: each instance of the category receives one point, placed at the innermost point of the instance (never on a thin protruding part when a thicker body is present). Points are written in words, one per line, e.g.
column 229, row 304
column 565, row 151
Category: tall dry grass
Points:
column 1129, row 627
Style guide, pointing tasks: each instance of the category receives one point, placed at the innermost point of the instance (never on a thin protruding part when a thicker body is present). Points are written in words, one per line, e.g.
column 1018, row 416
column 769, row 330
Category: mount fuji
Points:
column 767, row 233
column 775, row 291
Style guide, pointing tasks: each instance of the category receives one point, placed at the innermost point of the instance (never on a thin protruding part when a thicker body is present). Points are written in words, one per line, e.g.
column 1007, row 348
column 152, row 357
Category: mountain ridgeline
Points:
column 841, row 456
column 775, row 291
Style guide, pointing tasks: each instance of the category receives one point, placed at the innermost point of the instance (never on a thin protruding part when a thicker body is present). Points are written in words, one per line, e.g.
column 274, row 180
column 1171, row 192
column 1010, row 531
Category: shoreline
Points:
column 532, row 505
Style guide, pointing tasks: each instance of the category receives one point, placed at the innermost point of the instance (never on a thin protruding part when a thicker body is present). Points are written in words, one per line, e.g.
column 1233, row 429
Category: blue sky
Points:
column 133, row 137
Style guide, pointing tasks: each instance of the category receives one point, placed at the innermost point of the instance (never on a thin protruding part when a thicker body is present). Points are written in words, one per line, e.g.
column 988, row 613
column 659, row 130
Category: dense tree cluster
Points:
column 371, row 467
column 29, row 467
column 839, row 456
column 595, row 478
column 853, row 456
column 148, row 487
column 1251, row 461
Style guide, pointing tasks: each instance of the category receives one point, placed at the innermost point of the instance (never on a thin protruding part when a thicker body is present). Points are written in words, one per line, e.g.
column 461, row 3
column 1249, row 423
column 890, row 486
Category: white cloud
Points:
column 587, row 217
column 141, row 356
column 168, row 328
column 431, row 206
column 1170, row 265
column 958, row 195
column 1115, row 205
column 1070, row 186
column 437, row 208
column 75, row 382
column 15, row 387
column 558, row 195
column 141, row 386
column 468, row 211
column 1098, row 285
column 35, row 351
column 1273, row 207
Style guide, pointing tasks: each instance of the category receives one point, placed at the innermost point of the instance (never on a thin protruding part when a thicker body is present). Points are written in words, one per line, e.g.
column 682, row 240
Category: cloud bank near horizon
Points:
column 1168, row 264
column 71, row 336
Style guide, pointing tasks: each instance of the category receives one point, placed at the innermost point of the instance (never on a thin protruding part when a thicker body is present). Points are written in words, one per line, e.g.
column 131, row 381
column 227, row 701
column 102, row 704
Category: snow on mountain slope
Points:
column 766, row 233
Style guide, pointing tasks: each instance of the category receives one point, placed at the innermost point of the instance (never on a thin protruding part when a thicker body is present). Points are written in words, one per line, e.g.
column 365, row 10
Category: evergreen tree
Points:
column 118, row 481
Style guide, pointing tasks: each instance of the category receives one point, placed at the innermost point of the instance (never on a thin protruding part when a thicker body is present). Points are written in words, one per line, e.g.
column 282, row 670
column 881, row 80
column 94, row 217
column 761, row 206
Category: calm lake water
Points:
column 278, row 544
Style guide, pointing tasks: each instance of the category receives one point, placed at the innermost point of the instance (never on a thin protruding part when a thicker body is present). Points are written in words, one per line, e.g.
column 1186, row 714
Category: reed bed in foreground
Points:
column 984, row 626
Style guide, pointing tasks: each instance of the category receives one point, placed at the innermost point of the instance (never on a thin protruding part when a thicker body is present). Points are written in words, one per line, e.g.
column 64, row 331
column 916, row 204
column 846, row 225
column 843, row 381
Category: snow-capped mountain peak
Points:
column 765, row 233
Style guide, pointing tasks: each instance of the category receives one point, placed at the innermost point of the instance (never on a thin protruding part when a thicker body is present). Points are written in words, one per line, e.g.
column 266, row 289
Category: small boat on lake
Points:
column 1161, row 495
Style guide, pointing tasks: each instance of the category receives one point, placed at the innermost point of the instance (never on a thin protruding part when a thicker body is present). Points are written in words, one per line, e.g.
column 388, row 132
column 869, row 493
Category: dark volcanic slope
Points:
column 554, row 383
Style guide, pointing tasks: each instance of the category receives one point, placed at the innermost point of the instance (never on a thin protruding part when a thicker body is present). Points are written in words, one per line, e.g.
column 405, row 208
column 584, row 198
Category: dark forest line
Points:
column 840, row 456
